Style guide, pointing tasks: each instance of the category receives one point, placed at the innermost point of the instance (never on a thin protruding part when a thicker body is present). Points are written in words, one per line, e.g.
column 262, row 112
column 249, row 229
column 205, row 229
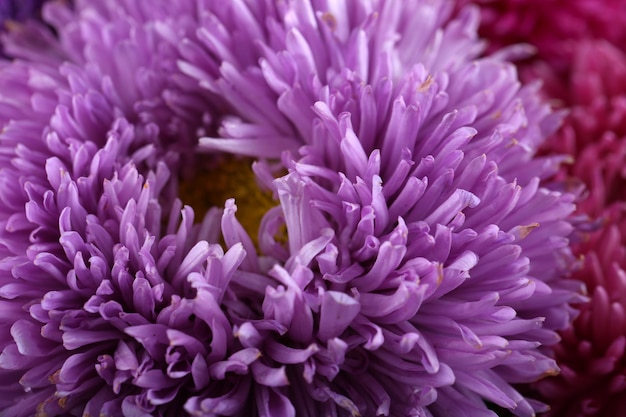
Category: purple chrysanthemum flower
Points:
column 413, row 264
column 110, row 295
column 424, row 260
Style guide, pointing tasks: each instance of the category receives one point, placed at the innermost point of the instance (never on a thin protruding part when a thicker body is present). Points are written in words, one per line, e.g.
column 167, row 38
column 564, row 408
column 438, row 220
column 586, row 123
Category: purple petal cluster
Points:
column 413, row 264
column 100, row 261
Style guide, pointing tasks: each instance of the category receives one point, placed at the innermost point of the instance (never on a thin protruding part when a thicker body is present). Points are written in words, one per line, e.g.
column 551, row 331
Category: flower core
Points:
column 225, row 177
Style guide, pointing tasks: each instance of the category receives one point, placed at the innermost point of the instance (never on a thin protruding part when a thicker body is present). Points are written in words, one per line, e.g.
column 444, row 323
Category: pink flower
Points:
column 594, row 133
column 553, row 27
column 592, row 353
column 580, row 58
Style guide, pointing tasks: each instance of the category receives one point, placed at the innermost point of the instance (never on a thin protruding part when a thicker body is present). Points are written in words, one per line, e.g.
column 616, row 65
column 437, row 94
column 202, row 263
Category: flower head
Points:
column 413, row 263
column 416, row 240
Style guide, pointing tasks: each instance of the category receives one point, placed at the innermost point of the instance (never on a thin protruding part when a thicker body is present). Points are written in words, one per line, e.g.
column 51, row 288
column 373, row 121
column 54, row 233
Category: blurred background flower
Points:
column 552, row 27
column 580, row 60
column 592, row 353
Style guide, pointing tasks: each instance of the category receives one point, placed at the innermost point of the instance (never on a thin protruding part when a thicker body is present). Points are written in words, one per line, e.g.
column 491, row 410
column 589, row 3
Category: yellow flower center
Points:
column 228, row 177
